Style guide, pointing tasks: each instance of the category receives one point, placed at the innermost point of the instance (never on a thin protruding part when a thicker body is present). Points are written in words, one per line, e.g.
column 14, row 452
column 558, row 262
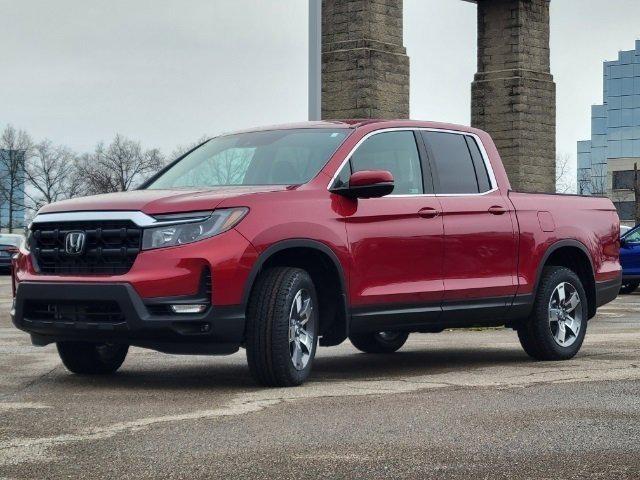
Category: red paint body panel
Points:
column 396, row 254
column 480, row 248
column 591, row 221
column 174, row 271
column 389, row 253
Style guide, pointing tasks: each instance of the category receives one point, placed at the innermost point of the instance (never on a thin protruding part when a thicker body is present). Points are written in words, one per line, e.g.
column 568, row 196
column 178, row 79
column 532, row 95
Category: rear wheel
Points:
column 282, row 327
column 92, row 358
column 379, row 342
column 629, row 287
column 557, row 326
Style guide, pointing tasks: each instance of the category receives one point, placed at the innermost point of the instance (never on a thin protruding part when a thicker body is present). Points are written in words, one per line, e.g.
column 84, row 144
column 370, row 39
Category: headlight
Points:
column 27, row 241
column 181, row 233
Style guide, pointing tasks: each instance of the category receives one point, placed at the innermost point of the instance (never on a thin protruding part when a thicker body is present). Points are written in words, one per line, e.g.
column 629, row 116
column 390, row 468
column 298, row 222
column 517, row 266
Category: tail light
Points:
column 14, row 281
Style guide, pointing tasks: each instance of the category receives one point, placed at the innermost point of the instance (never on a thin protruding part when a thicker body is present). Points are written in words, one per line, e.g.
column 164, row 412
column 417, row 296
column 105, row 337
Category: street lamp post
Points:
column 315, row 59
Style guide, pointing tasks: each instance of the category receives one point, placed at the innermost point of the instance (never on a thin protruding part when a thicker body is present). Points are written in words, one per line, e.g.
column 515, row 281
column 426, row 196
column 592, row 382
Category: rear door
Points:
column 396, row 241
column 480, row 241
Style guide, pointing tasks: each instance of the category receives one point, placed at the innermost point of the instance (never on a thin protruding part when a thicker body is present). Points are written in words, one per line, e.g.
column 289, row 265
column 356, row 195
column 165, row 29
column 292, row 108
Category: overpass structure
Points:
column 365, row 74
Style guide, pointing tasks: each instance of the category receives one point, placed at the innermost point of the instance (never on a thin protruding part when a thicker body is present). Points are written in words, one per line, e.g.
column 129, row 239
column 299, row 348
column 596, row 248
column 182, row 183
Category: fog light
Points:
column 189, row 308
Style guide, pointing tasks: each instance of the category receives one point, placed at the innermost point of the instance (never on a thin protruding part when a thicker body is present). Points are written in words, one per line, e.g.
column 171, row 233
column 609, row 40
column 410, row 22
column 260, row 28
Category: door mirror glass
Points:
column 367, row 184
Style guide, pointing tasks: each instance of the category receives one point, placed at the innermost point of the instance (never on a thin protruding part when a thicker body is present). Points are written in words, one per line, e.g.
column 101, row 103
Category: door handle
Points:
column 428, row 212
column 497, row 210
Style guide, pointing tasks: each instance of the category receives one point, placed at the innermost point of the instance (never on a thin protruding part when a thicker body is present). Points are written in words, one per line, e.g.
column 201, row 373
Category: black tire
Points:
column 92, row 358
column 629, row 287
column 269, row 352
column 536, row 336
column 379, row 342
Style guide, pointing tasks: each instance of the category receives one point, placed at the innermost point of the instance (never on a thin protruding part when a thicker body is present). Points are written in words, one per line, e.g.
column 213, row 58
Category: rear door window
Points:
column 459, row 166
column 484, row 182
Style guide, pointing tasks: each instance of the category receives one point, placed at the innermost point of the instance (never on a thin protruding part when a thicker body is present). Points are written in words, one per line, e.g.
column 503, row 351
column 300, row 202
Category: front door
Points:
column 396, row 241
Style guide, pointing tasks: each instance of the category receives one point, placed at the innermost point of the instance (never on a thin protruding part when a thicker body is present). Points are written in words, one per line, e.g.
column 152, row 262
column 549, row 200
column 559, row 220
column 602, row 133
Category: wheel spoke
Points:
column 292, row 332
column 561, row 333
column 306, row 340
column 554, row 314
column 305, row 313
column 573, row 326
column 561, row 293
column 298, row 303
column 297, row 354
column 573, row 302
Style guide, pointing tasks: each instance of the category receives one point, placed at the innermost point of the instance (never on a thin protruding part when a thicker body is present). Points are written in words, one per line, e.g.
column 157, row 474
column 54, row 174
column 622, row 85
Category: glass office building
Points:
column 605, row 163
column 9, row 159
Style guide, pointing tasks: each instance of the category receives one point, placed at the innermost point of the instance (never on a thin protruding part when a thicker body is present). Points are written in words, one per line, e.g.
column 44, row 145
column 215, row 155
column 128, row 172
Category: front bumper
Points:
column 219, row 330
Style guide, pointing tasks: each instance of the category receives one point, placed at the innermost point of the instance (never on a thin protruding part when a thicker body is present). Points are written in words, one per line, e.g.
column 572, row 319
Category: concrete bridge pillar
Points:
column 513, row 93
column 365, row 68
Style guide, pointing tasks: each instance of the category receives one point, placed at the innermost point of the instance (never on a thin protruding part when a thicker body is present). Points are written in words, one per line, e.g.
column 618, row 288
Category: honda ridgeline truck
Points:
column 285, row 238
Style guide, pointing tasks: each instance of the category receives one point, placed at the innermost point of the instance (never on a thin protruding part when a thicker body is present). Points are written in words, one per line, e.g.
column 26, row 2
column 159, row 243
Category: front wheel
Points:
column 629, row 287
column 282, row 327
column 92, row 358
column 379, row 342
column 556, row 328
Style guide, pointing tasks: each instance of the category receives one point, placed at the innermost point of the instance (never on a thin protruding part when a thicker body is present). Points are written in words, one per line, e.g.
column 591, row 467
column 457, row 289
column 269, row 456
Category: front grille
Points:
column 110, row 248
column 83, row 312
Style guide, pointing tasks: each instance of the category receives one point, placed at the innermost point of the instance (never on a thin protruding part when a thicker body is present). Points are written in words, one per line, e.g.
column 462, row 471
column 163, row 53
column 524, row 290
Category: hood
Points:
column 157, row 201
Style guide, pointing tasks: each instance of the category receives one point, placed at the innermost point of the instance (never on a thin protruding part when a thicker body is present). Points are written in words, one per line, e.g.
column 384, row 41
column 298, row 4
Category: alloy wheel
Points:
column 301, row 328
column 565, row 314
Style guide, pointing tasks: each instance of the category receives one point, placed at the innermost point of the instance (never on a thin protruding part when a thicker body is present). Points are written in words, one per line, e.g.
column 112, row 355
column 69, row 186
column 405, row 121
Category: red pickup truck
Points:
column 285, row 238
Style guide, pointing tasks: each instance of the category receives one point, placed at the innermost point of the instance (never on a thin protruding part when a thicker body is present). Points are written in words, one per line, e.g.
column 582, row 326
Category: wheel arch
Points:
column 322, row 263
column 574, row 255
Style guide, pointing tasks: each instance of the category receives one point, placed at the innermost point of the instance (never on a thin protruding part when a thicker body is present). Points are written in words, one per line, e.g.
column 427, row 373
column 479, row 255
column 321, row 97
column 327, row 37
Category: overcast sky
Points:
column 168, row 71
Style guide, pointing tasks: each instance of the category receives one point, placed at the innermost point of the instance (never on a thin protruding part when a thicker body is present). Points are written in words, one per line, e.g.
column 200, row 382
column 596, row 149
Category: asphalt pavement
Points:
column 459, row 404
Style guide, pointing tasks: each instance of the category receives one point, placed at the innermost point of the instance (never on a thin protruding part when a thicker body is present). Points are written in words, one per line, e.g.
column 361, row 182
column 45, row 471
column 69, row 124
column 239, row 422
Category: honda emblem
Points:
column 74, row 243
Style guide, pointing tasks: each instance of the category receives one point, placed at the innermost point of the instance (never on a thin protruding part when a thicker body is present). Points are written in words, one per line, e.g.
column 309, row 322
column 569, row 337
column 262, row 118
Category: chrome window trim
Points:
column 139, row 218
column 483, row 152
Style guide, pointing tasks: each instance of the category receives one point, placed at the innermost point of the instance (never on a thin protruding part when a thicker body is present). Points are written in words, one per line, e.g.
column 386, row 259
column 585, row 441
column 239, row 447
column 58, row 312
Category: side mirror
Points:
column 367, row 184
column 623, row 242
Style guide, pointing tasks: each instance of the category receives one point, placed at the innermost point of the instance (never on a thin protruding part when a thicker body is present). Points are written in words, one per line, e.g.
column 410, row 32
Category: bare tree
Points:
column 118, row 167
column 15, row 148
column 52, row 174
column 593, row 181
column 182, row 149
column 564, row 180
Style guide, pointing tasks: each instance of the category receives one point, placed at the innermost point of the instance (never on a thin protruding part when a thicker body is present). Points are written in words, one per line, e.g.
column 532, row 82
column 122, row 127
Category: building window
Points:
column 626, row 211
column 623, row 180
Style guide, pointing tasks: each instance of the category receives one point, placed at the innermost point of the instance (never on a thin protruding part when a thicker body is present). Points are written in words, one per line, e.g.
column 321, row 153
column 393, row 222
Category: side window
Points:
column 484, row 182
column 453, row 163
column 396, row 152
column 633, row 236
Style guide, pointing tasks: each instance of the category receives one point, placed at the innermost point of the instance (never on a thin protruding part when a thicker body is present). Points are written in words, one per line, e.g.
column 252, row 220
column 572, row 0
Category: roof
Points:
column 358, row 123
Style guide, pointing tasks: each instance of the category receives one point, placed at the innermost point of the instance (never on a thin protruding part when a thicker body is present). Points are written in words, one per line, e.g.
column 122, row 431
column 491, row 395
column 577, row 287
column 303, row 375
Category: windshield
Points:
column 277, row 157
